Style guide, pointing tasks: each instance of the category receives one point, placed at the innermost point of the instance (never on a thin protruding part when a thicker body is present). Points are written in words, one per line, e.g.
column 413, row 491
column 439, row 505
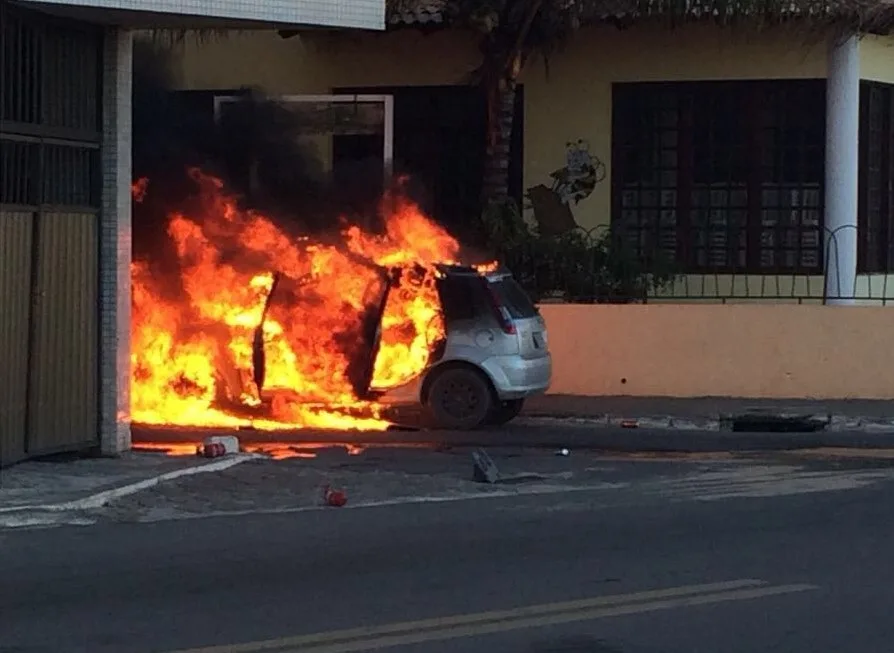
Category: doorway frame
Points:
column 387, row 101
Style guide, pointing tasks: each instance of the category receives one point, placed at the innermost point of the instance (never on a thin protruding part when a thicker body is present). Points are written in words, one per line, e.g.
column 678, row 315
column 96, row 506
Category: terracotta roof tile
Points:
column 868, row 14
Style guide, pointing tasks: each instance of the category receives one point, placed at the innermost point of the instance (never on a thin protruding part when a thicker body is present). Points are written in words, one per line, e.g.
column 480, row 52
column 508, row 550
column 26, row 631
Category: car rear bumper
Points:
column 516, row 378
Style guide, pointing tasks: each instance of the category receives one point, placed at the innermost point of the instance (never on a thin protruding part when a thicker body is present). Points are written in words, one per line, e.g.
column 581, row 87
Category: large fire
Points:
column 195, row 354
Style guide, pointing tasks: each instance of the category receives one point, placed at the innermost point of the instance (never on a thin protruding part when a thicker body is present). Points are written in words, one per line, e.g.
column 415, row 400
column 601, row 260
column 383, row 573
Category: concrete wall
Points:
column 722, row 351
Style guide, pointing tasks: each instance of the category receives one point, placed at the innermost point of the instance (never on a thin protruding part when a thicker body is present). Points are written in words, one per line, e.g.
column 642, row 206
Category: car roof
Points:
column 491, row 273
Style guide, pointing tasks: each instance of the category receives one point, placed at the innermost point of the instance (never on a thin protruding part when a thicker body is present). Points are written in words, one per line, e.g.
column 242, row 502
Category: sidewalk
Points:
column 718, row 413
column 39, row 493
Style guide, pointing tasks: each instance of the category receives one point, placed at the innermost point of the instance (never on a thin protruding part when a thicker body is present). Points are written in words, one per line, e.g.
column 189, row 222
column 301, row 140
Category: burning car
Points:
column 493, row 355
column 247, row 321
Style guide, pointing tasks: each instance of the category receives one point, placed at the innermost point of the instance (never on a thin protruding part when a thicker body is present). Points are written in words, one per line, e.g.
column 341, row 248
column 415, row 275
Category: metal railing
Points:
column 596, row 266
column 50, row 113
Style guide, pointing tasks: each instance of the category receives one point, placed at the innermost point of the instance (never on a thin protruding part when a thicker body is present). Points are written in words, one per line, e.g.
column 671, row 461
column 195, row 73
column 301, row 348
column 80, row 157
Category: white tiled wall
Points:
column 116, row 243
column 365, row 14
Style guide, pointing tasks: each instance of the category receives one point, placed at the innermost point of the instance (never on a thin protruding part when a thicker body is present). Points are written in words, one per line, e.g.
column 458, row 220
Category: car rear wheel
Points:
column 459, row 398
column 505, row 411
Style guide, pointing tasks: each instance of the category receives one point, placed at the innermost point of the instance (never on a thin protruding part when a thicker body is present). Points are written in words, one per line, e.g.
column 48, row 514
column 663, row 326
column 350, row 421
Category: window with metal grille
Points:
column 50, row 110
column 875, row 245
column 721, row 176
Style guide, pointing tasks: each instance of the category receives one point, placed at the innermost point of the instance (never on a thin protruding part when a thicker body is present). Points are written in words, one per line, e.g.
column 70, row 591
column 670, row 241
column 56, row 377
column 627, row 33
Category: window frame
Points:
column 875, row 245
column 743, row 243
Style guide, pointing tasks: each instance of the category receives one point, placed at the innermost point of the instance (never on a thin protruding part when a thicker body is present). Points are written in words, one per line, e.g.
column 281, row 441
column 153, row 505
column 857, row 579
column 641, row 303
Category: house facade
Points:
column 757, row 159
column 65, row 204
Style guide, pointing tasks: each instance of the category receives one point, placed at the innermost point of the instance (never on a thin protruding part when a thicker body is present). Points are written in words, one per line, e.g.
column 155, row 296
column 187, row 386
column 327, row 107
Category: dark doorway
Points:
column 439, row 142
column 359, row 169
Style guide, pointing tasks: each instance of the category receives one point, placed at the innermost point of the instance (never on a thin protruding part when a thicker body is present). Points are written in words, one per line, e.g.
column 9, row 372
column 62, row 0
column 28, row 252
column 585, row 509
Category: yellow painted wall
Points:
column 877, row 58
column 572, row 102
column 751, row 351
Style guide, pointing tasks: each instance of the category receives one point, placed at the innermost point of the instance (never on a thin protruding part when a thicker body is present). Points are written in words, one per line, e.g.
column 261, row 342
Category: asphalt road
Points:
column 644, row 572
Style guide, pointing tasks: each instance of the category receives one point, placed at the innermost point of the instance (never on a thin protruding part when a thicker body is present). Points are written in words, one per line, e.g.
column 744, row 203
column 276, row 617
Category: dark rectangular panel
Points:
column 15, row 283
column 63, row 388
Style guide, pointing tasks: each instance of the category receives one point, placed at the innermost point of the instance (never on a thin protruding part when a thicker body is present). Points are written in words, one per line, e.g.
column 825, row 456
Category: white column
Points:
column 842, row 161
column 116, row 242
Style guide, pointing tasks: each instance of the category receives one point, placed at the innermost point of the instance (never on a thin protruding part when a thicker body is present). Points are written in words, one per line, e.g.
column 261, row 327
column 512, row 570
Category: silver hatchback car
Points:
column 495, row 355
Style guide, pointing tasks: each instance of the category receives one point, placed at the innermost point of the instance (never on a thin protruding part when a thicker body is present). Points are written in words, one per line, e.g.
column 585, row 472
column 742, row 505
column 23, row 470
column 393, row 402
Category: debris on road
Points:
column 213, row 450
column 219, row 445
column 334, row 498
column 484, row 470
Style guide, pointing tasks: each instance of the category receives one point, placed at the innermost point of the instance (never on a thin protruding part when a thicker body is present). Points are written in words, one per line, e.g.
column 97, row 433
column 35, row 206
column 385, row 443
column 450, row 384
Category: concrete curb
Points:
column 100, row 499
column 824, row 423
column 655, row 434
column 607, row 421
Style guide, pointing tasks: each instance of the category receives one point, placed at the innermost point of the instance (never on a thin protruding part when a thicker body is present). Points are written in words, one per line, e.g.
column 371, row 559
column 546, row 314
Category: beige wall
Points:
column 572, row 102
column 580, row 83
column 722, row 351
column 877, row 58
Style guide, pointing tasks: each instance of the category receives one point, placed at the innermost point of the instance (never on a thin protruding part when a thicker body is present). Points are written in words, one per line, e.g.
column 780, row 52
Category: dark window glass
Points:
column 513, row 298
column 721, row 176
column 463, row 297
column 876, row 184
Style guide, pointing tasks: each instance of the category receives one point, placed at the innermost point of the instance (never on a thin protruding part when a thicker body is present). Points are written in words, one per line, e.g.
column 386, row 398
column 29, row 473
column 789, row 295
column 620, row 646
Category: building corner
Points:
column 116, row 242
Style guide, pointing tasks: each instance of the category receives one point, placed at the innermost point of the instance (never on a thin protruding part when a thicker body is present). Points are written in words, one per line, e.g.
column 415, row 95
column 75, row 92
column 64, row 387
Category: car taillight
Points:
column 504, row 319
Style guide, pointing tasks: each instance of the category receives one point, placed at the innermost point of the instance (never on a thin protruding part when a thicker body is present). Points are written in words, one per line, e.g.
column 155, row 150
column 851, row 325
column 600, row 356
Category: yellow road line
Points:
column 439, row 628
column 545, row 620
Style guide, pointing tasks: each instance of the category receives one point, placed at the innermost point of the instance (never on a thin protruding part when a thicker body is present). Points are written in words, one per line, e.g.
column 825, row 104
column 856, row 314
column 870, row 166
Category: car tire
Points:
column 459, row 398
column 505, row 411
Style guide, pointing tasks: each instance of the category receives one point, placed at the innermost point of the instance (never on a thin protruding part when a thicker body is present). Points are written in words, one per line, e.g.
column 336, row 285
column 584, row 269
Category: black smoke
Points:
column 255, row 148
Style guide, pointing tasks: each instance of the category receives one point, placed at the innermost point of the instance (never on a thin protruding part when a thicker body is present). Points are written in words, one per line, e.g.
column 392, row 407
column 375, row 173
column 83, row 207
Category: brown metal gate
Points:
column 50, row 132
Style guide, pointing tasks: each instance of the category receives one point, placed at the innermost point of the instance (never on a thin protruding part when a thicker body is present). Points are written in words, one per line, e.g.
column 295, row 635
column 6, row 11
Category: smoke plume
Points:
column 256, row 148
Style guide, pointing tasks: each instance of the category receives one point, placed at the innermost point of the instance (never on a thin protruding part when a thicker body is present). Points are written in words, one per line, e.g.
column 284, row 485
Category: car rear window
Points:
column 463, row 297
column 514, row 298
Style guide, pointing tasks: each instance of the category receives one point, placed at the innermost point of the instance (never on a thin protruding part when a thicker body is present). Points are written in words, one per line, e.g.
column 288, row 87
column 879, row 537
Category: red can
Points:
column 334, row 498
column 214, row 450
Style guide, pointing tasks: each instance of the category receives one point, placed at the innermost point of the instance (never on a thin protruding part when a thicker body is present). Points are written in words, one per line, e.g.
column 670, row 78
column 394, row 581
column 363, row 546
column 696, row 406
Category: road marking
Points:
column 535, row 616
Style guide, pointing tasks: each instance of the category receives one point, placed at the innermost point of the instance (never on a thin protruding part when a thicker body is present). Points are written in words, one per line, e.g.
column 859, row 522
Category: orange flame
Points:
column 192, row 356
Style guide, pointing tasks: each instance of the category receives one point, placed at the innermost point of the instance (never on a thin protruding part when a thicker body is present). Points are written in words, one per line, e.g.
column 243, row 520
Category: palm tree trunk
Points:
column 497, row 155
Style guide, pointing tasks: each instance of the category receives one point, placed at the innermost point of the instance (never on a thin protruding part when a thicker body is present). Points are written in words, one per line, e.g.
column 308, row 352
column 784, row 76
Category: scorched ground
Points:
column 196, row 339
